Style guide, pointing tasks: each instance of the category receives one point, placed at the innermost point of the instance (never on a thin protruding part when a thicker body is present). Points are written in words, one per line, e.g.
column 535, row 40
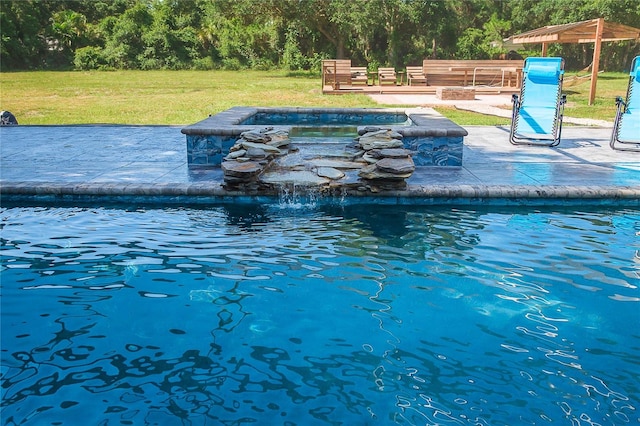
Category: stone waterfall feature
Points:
column 251, row 155
column 266, row 158
column 388, row 163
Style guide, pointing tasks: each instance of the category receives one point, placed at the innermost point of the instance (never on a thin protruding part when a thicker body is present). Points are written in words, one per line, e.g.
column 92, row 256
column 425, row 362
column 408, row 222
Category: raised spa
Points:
column 436, row 140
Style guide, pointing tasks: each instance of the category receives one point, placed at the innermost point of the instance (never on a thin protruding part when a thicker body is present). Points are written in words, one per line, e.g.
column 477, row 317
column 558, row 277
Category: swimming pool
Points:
column 280, row 314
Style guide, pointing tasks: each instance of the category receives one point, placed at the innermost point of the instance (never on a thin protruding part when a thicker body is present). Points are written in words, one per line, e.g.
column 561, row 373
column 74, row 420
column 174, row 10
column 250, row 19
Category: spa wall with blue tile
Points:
column 435, row 151
column 208, row 150
column 435, row 140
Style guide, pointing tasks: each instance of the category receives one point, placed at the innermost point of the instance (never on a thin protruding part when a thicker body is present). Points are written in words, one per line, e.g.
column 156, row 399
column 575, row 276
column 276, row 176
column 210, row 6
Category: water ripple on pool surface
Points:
column 349, row 315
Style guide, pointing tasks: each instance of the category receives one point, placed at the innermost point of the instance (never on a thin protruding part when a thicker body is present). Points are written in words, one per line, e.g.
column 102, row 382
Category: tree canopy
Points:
column 289, row 34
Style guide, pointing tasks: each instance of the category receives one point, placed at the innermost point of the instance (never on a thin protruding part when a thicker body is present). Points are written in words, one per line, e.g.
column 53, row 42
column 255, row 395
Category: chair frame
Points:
column 359, row 75
column 387, row 75
column 517, row 101
column 416, row 75
column 621, row 109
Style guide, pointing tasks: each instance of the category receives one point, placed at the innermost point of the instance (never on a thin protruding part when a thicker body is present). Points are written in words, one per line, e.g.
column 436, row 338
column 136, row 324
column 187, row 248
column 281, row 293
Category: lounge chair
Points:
column 626, row 128
column 386, row 75
column 537, row 114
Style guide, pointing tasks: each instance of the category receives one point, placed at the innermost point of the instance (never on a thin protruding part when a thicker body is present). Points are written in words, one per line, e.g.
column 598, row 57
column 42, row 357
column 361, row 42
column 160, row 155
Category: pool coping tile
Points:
column 582, row 170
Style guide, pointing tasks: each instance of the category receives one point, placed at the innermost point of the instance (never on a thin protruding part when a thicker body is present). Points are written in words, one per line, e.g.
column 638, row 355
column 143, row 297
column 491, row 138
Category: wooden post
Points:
column 596, row 60
column 544, row 50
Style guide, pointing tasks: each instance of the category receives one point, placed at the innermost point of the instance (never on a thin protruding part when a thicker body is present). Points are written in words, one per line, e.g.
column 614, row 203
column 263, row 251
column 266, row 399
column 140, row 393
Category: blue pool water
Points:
column 348, row 315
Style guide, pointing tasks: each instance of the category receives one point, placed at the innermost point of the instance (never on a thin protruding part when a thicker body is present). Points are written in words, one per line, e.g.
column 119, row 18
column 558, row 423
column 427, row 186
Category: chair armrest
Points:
column 515, row 100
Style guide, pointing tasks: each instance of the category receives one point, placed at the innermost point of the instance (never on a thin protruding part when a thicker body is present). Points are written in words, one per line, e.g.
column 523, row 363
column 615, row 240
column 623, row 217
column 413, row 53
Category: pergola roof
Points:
column 577, row 32
column 593, row 31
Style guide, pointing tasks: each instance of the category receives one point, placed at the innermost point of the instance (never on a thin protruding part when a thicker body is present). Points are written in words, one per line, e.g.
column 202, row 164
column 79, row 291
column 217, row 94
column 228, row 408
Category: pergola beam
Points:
column 552, row 38
column 565, row 39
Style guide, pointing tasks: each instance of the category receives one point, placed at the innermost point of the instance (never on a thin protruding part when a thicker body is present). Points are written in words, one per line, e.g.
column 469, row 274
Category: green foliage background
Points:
column 287, row 34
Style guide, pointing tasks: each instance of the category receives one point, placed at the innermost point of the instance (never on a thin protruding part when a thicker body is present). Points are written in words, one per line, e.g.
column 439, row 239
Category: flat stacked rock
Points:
column 259, row 160
column 389, row 164
column 251, row 155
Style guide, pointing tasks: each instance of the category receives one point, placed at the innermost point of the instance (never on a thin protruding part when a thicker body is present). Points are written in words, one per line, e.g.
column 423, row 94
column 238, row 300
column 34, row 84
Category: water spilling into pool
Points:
column 296, row 313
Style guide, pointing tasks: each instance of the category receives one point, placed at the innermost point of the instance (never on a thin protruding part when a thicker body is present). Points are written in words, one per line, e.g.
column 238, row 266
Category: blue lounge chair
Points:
column 626, row 128
column 537, row 114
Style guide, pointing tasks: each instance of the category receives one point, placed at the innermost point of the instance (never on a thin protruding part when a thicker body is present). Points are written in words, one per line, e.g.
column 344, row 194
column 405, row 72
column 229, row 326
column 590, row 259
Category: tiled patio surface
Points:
column 145, row 161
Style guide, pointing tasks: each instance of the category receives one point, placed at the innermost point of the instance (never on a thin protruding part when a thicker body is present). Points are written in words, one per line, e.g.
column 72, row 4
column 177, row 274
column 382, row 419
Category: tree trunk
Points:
column 340, row 52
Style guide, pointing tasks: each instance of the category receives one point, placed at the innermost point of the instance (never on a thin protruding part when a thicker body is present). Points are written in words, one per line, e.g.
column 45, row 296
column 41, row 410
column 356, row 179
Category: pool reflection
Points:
column 315, row 315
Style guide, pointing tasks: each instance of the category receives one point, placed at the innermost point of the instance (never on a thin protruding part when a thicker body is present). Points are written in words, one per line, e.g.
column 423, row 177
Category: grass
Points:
column 609, row 86
column 185, row 97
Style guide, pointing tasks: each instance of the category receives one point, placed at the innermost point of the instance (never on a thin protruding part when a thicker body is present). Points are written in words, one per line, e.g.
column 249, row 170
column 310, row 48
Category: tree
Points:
column 170, row 41
column 482, row 44
column 68, row 28
column 435, row 35
column 241, row 33
column 334, row 20
column 23, row 40
column 295, row 34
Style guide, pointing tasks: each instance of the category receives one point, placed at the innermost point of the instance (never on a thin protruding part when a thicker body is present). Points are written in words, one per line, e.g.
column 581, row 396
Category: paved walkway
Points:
column 498, row 105
column 89, row 162
column 432, row 100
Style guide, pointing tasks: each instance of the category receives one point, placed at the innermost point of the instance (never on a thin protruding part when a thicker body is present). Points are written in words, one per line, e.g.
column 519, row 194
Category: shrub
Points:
column 204, row 64
column 89, row 58
column 262, row 64
column 231, row 64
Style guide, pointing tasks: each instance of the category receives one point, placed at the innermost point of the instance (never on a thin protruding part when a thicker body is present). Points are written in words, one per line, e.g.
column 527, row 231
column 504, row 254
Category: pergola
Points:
column 593, row 31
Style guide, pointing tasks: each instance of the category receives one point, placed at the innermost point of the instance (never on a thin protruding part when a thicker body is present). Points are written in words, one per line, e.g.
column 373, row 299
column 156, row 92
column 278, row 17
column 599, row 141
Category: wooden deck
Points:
column 484, row 76
column 413, row 90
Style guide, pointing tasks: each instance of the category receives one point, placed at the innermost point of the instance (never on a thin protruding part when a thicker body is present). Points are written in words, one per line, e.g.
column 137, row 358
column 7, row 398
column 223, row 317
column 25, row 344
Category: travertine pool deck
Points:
column 103, row 164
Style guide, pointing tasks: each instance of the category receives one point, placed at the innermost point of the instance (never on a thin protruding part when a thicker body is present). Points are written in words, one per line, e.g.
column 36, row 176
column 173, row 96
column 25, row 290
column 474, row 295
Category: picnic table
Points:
column 474, row 70
column 463, row 72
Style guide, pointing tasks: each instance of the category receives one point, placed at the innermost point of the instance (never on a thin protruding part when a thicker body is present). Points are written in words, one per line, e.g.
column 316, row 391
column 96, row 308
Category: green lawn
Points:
column 185, row 97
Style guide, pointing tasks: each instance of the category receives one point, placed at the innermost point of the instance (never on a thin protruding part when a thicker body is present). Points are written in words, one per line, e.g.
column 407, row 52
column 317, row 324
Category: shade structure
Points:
column 592, row 31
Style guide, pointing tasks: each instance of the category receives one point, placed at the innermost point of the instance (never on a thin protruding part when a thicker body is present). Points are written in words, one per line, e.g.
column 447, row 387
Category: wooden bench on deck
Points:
column 482, row 72
column 387, row 75
column 359, row 75
column 415, row 76
column 337, row 72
